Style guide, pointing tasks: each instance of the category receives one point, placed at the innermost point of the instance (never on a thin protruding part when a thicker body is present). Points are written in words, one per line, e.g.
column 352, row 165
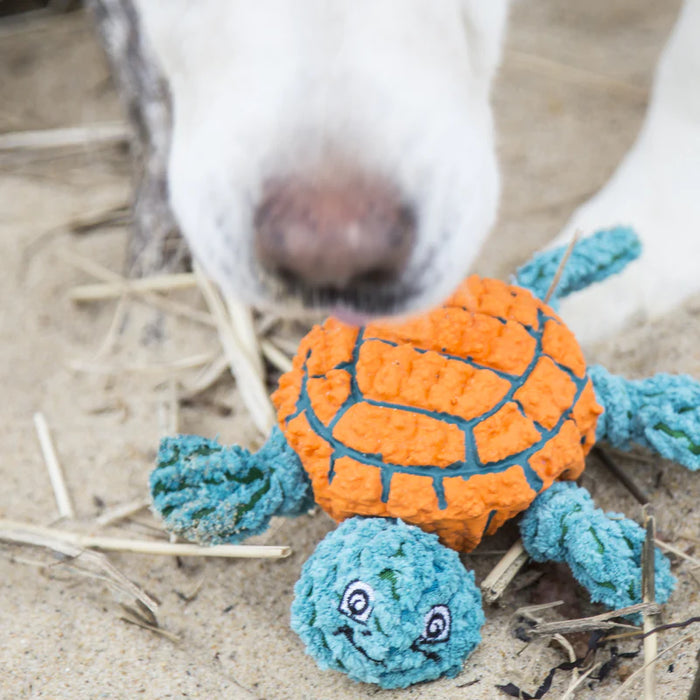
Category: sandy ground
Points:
column 562, row 130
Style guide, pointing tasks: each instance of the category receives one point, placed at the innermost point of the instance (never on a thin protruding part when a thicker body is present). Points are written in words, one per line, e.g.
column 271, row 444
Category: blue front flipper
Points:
column 214, row 494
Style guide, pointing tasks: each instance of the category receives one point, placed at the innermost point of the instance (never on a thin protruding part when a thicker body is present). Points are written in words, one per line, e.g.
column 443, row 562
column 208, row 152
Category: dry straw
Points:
column 13, row 531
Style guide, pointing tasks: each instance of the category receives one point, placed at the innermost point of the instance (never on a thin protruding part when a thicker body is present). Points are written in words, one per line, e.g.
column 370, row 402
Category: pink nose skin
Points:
column 352, row 232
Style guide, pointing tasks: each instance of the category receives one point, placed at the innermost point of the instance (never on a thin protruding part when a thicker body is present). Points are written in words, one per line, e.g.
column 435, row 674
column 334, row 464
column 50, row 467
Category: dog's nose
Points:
column 344, row 234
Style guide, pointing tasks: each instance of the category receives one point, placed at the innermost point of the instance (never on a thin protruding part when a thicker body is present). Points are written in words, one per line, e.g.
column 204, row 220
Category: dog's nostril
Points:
column 353, row 232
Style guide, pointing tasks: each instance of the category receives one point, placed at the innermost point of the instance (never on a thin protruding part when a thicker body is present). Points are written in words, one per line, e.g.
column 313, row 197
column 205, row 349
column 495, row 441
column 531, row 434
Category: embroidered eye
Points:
column 358, row 601
column 437, row 625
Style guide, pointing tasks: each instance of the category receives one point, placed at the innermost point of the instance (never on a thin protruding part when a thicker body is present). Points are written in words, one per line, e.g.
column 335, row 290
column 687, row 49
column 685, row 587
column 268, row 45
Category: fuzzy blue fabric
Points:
column 603, row 550
column 386, row 603
column 214, row 494
column 661, row 412
column 592, row 260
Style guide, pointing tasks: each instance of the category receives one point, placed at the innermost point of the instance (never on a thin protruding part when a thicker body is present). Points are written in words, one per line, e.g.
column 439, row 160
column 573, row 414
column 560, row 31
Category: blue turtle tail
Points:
column 661, row 412
column 592, row 260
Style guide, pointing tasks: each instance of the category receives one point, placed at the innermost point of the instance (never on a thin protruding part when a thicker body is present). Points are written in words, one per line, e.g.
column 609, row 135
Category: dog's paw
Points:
column 655, row 191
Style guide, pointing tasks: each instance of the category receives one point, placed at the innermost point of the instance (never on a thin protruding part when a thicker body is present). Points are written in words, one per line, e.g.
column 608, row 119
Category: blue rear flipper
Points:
column 592, row 260
column 661, row 413
column 603, row 550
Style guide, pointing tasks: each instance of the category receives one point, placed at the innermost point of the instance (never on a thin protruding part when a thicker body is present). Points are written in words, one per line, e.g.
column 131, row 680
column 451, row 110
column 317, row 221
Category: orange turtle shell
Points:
column 454, row 420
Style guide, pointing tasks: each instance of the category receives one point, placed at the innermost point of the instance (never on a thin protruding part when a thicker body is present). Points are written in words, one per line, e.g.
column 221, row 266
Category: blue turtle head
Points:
column 384, row 602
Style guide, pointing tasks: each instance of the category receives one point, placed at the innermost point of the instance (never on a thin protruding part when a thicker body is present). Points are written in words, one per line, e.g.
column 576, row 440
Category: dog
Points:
column 340, row 154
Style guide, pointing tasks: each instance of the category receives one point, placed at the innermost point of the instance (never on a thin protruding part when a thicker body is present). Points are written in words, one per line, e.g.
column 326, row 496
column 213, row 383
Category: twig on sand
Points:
column 119, row 215
column 180, row 365
column 205, row 379
column 695, row 690
column 68, row 137
column 495, row 584
column 242, row 352
column 275, row 356
column 134, row 617
column 169, row 410
column 114, row 282
column 604, row 621
column 27, row 533
column 694, row 561
column 113, row 290
column 122, row 512
column 18, row 533
column 620, row 692
column 620, row 474
column 651, row 642
column 577, row 681
column 53, row 466
column 562, row 265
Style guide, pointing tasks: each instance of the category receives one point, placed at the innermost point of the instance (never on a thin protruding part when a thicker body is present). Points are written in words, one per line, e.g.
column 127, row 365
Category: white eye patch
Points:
column 437, row 625
column 358, row 601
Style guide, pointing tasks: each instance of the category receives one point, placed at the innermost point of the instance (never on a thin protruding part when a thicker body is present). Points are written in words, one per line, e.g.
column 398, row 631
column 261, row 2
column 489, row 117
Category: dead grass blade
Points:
column 495, row 584
column 562, row 265
column 246, row 366
column 68, row 137
column 604, row 621
column 96, row 565
column 651, row 641
column 53, row 466
column 122, row 512
column 12, row 531
column 115, row 289
column 128, row 616
column 620, row 692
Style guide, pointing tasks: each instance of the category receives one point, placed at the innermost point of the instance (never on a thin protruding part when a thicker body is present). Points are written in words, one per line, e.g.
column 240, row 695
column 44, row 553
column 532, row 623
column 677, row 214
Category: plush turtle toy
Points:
column 421, row 437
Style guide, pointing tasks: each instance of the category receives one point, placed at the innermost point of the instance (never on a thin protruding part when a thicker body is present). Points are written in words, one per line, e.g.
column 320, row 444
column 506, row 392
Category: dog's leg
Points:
column 155, row 243
column 656, row 190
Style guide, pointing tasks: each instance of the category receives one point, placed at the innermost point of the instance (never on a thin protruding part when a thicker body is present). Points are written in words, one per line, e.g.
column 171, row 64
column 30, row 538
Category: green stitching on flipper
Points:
column 601, row 547
column 244, row 508
column 158, row 490
column 203, row 513
column 171, row 462
column 177, row 455
column 254, row 474
column 693, row 447
column 390, row 576
column 207, row 451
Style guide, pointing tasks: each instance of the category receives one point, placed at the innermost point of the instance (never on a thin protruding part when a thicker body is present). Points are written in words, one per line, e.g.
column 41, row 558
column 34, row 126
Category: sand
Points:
column 562, row 129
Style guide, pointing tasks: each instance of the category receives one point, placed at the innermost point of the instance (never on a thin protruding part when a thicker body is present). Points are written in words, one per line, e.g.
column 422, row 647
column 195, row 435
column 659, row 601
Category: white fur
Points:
column 656, row 189
column 267, row 87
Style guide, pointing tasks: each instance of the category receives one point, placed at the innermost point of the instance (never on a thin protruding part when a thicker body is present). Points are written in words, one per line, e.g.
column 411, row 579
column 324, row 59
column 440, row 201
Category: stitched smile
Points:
column 347, row 633
column 428, row 654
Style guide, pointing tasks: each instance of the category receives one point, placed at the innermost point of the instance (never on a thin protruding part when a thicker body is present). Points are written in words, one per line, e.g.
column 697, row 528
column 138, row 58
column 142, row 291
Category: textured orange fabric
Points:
column 453, row 420
column 538, row 402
